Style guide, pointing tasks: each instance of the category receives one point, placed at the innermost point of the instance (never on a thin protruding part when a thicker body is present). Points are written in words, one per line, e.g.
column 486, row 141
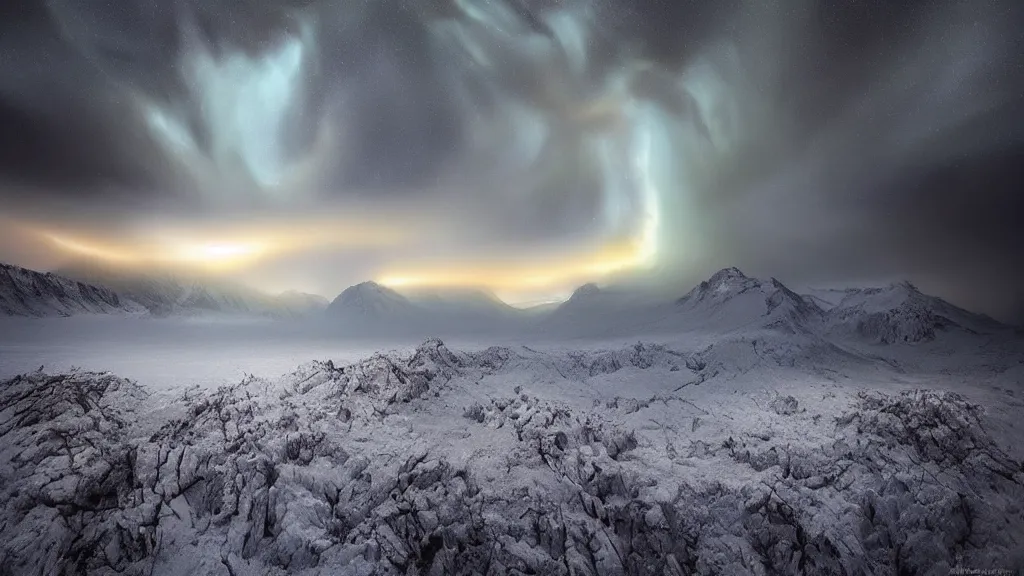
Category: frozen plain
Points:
column 258, row 448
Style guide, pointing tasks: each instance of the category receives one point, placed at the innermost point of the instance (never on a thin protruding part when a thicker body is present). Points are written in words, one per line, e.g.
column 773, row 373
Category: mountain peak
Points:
column 731, row 298
column 906, row 285
column 367, row 285
column 730, row 273
column 725, row 282
column 585, row 291
column 369, row 299
column 367, row 289
column 899, row 312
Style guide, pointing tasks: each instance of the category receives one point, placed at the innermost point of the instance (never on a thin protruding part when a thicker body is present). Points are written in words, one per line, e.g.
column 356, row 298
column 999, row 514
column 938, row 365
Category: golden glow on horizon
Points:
column 219, row 255
column 220, row 252
column 90, row 249
column 560, row 273
column 515, row 278
column 227, row 247
column 518, row 280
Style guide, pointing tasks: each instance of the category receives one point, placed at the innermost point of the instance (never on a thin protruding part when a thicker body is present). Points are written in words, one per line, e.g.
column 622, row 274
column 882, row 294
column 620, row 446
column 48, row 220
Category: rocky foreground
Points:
column 441, row 462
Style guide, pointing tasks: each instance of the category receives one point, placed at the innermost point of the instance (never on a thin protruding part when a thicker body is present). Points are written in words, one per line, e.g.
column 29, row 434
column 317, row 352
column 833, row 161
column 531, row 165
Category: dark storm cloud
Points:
column 403, row 123
column 863, row 140
column 904, row 160
column 57, row 132
column 95, row 53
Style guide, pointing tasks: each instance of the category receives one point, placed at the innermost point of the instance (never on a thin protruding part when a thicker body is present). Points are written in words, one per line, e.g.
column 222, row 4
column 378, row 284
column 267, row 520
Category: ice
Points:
column 748, row 434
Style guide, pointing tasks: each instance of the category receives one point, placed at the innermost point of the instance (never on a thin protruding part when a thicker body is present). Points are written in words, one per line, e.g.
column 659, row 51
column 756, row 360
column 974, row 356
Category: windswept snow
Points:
column 644, row 458
column 741, row 429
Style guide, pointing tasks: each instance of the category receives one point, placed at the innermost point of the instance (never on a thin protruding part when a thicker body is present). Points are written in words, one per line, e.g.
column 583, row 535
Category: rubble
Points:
column 312, row 475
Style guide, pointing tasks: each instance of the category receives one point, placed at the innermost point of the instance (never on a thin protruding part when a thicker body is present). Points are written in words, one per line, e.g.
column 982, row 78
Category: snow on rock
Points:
column 730, row 300
column 164, row 293
column 27, row 293
column 67, row 474
column 419, row 464
column 901, row 313
column 785, row 405
column 384, row 380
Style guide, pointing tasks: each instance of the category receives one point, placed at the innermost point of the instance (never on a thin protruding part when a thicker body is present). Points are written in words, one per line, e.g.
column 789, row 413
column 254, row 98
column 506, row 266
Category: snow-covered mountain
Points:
column 368, row 304
column 825, row 298
column 730, row 300
column 604, row 311
column 901, row 313
column 171, row 294
column 369, row 308
column 25, row 292
column 727, row 301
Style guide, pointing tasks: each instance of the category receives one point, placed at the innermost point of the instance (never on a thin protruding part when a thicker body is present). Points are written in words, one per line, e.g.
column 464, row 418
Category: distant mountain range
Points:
column 87, row 289
column 727, row 301
column 370, row 308
column 25, row 292
column 166, row 294
column 898, row 313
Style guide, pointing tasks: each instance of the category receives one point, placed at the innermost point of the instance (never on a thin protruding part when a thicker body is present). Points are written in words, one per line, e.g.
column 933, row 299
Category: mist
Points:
column 817, row 142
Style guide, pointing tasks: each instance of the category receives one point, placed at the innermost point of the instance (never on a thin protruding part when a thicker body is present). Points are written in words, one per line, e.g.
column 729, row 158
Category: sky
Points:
column 522, row 146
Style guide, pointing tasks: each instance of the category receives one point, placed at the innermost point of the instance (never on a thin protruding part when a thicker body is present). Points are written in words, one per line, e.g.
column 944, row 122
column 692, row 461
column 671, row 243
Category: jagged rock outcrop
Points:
column 322, row 473
column 67, row 471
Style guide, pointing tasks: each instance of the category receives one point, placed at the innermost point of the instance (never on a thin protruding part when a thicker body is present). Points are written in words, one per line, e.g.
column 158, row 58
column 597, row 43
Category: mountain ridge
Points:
column 726, row 301
column 25, row 292
column 168, row 294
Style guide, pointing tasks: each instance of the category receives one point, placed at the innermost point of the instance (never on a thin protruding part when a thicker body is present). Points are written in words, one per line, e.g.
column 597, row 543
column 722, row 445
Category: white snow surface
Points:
column 739, row 430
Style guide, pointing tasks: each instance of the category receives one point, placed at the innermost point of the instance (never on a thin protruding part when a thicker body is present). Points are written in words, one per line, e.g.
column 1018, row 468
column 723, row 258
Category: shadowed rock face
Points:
column 312, row 475
column 28, row 293
column 899, row 313
column 730, row 300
